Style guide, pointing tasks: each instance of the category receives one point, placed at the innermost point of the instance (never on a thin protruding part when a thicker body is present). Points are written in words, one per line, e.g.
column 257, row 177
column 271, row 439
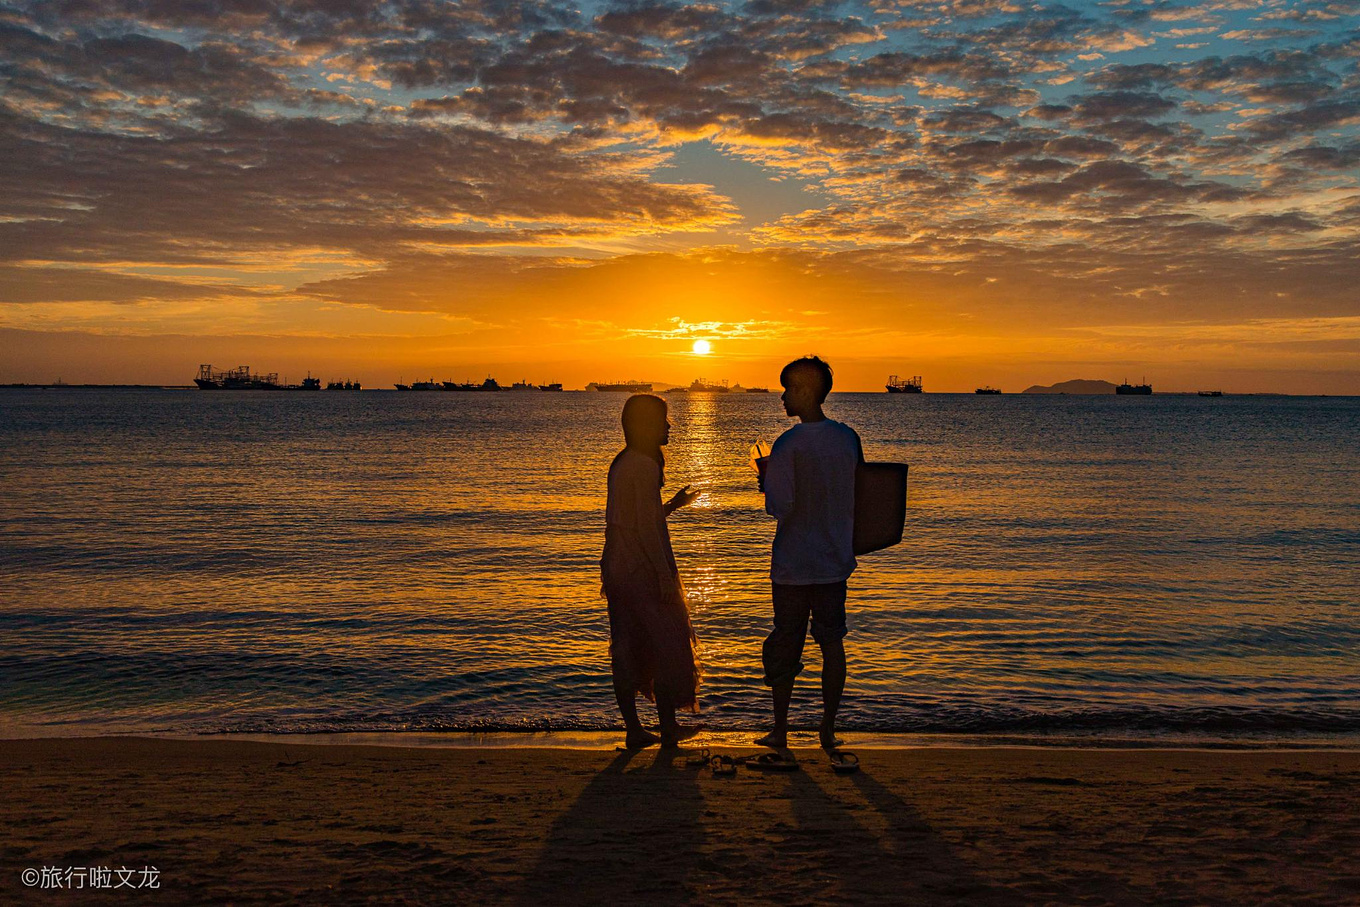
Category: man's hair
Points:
column 814, row 366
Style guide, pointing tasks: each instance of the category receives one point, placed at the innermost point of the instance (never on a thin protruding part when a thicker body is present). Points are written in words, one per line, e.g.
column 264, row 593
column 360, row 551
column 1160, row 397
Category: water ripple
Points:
column 191, row 562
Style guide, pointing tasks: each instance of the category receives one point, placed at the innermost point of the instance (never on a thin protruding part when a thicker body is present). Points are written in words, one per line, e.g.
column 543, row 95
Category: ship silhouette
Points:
column 1143, row 389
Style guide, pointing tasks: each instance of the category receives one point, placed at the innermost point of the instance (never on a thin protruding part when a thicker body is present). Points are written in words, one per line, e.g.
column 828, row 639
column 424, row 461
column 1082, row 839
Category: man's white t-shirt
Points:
column 810, row 488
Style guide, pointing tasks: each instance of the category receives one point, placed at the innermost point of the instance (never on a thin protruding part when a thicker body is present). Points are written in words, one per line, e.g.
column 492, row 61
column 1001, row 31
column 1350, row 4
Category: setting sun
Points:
column 702, row 347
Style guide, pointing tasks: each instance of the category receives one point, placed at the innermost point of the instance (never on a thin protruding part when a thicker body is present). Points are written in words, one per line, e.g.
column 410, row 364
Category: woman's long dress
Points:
column 651, row 641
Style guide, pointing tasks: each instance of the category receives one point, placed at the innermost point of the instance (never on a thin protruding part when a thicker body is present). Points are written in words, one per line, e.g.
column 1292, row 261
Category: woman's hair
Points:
column 643, row 416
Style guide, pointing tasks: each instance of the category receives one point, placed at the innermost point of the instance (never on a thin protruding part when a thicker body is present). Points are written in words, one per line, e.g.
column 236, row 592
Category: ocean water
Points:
column 184, row 561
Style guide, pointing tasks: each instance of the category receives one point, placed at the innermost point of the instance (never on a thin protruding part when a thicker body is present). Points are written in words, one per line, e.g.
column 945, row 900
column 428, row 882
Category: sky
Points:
column 975, row 191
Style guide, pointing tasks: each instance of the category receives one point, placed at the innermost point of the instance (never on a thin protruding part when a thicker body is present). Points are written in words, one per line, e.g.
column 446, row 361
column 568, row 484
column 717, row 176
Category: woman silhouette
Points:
column 651, row 642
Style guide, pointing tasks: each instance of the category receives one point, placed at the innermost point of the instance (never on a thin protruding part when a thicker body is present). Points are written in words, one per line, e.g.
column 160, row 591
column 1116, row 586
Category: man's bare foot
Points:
column 776, row 740
column 671, row 736
column 829, row 740
column 640, row 739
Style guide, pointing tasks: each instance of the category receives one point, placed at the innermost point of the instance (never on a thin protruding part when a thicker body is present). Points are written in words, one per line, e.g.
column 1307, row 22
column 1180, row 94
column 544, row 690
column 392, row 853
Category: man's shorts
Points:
column 793, row 605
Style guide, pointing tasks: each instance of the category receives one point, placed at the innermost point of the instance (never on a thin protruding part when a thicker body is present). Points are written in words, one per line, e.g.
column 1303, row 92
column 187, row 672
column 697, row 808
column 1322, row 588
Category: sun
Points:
column 702, row 347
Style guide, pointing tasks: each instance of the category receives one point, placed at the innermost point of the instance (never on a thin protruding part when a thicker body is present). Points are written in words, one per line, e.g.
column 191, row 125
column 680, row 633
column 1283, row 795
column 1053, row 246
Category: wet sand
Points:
column 246, row 822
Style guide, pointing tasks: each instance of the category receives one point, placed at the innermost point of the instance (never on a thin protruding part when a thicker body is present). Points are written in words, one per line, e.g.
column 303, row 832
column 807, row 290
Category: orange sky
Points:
column 1005, row 194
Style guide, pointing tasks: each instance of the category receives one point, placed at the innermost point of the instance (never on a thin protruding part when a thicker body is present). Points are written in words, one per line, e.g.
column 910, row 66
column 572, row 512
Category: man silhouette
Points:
column 809, row 485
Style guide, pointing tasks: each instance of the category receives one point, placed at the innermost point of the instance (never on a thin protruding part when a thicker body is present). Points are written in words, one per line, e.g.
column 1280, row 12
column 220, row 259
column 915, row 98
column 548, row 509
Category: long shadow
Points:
column 632, row 836
column 908, row 862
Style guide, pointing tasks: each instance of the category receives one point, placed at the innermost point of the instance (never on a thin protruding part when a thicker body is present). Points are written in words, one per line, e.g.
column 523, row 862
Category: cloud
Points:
column 372, row 187
column 1326, row 157
column 506, row 146
column 37, row 285
column 1110, row 105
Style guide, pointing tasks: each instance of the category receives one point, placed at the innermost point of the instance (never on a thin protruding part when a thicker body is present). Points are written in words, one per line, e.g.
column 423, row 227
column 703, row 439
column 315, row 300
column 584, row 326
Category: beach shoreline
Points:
column 729, row 738
column 237, row 821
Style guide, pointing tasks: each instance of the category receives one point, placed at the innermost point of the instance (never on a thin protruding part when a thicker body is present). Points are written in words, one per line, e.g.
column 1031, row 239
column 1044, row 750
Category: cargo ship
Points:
column 527, row 386
column 987, row 389
column 1143, row 389
column 625, row 387
column 240, row 378
column 699, row 386
column 489, row 384
column 757, row 390
column 348, row 385
column 1211, row 393
column 910, row 385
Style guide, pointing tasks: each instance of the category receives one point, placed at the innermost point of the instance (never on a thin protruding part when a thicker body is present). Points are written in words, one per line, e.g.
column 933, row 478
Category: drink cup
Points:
column 760, row 458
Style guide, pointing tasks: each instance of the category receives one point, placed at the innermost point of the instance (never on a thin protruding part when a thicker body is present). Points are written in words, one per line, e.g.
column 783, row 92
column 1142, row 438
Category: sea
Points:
column 1073, row 567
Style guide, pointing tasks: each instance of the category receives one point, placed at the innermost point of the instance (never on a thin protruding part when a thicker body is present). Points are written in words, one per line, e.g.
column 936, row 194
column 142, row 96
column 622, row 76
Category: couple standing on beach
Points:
column 809, row 485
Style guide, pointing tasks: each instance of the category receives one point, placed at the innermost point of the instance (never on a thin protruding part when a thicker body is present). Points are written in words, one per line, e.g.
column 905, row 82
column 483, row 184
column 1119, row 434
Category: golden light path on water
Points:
column 189, row 561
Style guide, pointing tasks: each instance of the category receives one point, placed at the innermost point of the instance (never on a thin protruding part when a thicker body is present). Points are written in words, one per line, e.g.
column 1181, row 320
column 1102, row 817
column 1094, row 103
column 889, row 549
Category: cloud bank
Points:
column 1072, row 166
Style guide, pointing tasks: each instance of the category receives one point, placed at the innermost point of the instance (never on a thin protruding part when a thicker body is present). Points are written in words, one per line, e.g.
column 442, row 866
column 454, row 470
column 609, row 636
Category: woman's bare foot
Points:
column 775, row 740
column 671, row 736
column 828, row 739
column 640, row 739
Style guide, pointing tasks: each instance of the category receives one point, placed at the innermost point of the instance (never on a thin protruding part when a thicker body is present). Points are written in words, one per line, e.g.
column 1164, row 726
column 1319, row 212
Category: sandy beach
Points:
column 246, row 822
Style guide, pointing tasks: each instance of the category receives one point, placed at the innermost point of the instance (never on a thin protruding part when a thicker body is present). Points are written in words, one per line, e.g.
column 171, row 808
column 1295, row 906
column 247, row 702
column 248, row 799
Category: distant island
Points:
column 1075, row 386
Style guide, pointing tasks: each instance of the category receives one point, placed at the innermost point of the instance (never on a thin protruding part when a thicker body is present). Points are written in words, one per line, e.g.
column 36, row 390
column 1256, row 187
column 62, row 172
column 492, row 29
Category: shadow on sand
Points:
column 893, row 855
column 634, row 835
column 663, row 833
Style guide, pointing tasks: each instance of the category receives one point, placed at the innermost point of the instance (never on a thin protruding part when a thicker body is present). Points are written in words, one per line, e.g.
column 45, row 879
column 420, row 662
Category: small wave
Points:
column 1218, row 722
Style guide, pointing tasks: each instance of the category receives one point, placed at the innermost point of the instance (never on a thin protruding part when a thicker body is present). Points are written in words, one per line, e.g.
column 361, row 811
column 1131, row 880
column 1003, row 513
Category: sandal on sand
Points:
column 699, row 759
column 844, row 762
column 771, row 762
column 723, row 765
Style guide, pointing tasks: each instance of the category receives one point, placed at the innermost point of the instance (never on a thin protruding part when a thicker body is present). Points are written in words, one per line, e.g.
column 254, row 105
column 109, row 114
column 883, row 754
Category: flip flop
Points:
column 843, row 762
column 771, row 762
column 723, row 766
column 699, row 759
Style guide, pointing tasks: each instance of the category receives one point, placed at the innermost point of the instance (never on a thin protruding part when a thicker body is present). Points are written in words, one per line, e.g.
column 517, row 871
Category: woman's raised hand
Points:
column 682, row 498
